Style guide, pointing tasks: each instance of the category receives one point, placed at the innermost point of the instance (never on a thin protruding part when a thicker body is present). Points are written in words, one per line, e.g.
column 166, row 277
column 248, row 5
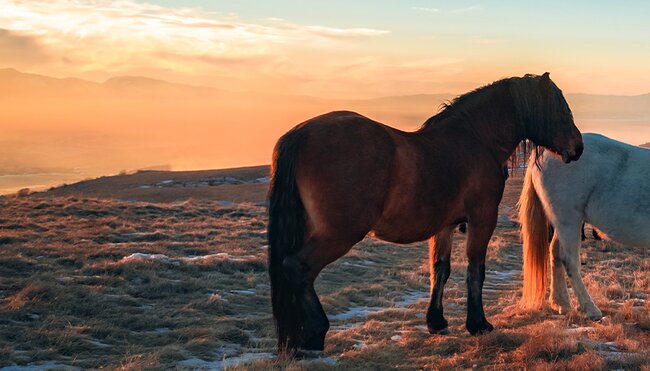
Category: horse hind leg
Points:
column 569, row 238
column 302, row 269
column 559, row 298
column 439, row 270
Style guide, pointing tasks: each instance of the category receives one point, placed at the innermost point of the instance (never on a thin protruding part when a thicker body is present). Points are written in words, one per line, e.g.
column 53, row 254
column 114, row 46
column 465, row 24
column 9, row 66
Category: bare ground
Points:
column 95, row 283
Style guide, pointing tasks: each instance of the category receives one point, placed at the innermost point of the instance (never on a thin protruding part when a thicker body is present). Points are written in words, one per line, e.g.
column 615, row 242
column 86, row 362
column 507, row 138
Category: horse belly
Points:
column 420, row 201
column 413, row 212
column 406, row 228
column 622, row 215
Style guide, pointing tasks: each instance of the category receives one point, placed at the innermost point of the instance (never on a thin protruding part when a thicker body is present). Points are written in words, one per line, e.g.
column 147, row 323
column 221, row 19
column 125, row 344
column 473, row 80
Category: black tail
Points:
column 286, row 233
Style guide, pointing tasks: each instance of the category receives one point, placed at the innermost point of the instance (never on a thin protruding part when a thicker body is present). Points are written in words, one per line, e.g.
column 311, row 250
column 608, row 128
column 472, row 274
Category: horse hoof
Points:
column 438, row 326
column 560, row 309
column 594, row 315
column 442, row 331
column 308, row 353
column 313, row 343
column 479, row 328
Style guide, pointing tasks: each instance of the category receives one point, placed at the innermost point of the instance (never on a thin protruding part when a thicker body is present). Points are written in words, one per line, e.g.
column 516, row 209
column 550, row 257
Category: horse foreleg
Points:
column 439, row 269
column 570, row 255
column 559, row 299
column 480, row 231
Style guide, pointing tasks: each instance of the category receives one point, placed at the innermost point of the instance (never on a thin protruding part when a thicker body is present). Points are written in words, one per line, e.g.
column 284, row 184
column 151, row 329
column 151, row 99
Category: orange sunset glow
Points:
column 255, row 185
column 93, row 88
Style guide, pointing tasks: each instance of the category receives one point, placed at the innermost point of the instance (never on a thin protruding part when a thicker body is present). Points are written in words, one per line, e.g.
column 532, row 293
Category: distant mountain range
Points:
column 404, row 111
column 61, row 130
column 15, row 85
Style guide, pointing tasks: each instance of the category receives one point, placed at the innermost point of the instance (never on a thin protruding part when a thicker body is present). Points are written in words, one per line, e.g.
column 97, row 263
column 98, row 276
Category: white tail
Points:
column 535, row 233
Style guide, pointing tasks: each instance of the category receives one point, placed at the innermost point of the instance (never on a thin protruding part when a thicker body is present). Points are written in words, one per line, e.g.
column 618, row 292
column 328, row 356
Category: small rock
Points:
column 605, row 320
column 578, row 330
column 65, row 280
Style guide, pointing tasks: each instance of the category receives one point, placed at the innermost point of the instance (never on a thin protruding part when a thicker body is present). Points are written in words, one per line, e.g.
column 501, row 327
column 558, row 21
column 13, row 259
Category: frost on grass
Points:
column 95, row 284
column 139, row 257
column 201, row 259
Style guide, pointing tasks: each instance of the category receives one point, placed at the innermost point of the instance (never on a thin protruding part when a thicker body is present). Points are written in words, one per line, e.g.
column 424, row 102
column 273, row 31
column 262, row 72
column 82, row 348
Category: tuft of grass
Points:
column 68, row 296
column 549, row 345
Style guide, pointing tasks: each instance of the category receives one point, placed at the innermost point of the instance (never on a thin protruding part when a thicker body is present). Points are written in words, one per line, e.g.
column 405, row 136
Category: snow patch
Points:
column 411, row 297
column 142, row 257
column 40, row 367
column 355, row 312
column 502, row 275
column 244, row 292
column 139, row 256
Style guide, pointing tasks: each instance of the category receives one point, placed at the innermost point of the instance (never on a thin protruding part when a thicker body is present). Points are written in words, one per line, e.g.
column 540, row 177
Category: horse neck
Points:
column 489, row 117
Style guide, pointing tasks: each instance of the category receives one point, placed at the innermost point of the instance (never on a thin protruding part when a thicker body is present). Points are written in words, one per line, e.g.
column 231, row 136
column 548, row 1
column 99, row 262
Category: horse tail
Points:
column 286, row 231
column 535, row 234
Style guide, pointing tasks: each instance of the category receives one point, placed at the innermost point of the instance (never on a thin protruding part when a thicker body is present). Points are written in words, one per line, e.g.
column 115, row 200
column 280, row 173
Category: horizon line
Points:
column 13, row 69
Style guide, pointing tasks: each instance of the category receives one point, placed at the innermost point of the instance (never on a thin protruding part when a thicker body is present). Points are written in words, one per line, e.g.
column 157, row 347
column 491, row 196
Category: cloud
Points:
column 467, row 9
column 20, row 50
column 428, row 10
column 117, row 36
column 344, row 32
column 99, row 39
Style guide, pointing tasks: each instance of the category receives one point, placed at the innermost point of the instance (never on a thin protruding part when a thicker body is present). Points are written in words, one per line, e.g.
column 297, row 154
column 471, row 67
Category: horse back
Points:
column 355, row 175
column 608, row 187
column 343, row 173
column 437, row 180
column 620, row 205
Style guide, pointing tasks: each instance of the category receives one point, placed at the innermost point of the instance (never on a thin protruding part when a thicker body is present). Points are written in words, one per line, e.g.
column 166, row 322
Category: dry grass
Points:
column 141, row 186
column 69, row 297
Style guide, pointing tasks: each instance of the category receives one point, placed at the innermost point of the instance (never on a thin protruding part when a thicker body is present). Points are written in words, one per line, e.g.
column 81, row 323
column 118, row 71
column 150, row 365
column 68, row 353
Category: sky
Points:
column 268, row 59
column 334, row 48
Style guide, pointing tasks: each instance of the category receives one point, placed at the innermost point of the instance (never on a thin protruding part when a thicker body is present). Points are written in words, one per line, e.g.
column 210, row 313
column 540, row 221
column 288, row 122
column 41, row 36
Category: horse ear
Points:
column 545, row 79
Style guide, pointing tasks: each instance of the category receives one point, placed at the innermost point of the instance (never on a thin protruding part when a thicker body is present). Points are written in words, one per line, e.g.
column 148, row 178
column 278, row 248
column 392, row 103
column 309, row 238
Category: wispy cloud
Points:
column 466, row 9
column 428, row 10
column 115, row 35
column 99, row 39
column 21, row 49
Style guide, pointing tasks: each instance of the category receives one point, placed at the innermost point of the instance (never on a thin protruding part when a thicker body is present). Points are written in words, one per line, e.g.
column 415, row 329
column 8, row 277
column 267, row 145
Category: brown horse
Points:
column 340, row 176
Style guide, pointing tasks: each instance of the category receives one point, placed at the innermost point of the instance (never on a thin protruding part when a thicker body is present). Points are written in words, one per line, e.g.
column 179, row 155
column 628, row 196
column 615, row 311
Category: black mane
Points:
column 454, row 107
column 525, row 99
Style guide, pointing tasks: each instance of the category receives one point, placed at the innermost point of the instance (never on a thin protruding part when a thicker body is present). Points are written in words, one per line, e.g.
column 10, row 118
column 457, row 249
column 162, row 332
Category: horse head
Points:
column 546, row 117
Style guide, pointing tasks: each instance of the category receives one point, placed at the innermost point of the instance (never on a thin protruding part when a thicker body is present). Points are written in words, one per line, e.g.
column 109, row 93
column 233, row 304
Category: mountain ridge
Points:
column 137, row 81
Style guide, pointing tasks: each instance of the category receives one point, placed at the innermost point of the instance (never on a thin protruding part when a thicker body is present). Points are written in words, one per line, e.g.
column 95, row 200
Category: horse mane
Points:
column 524, row 95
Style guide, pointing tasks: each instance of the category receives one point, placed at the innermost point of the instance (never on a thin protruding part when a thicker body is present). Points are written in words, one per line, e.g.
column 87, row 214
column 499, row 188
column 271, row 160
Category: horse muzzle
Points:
column 573, row 156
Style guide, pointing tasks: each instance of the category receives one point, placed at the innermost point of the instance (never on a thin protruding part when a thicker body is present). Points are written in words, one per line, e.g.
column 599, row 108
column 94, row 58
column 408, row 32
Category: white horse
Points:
column 609, row 187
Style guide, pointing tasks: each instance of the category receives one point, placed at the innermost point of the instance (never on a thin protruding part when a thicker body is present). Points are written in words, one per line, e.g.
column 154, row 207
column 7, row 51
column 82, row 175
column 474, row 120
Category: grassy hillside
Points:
column 246, row 184
column 91, row 283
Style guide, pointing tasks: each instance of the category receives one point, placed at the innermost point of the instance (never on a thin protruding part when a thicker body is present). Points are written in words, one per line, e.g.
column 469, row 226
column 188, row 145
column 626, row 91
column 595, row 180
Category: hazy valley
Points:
column 57, row 131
